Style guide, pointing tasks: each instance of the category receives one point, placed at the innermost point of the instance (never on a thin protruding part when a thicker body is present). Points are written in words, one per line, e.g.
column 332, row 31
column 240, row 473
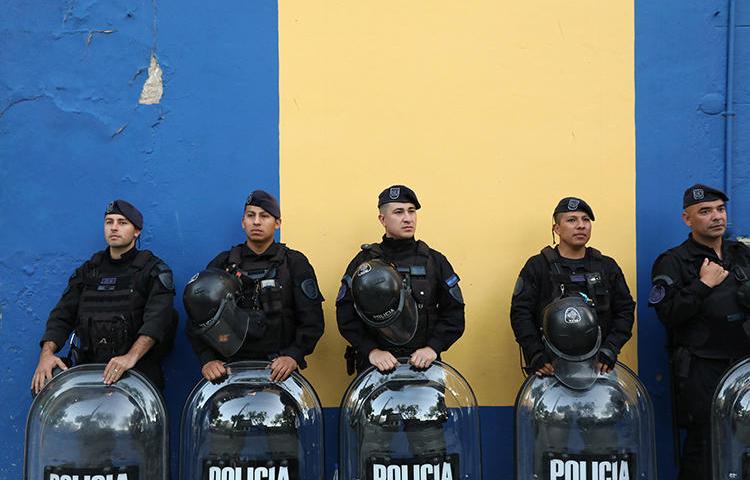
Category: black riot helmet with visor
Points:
column 571, row 329
column 571, row 332
column 211, row 300
column 384, row 301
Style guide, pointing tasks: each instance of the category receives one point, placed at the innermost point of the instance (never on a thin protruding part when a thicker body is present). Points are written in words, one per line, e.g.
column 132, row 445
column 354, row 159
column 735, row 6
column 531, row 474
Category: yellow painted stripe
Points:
column 492, row 111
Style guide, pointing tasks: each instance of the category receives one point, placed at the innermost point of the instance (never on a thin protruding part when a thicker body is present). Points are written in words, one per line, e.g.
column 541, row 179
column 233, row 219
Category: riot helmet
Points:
column 571, row 330
column 211, row 300
column 383, row 300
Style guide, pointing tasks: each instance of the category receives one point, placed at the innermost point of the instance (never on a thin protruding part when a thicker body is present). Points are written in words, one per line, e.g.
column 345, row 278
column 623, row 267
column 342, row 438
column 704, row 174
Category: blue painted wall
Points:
column 680, row 74
column 73, row 137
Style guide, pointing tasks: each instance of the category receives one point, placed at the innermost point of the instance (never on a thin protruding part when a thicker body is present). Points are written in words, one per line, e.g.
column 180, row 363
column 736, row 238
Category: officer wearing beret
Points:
column 119, row 303
column 433, row 283
column 695, row 293
column 279, row 286
column 571, row 268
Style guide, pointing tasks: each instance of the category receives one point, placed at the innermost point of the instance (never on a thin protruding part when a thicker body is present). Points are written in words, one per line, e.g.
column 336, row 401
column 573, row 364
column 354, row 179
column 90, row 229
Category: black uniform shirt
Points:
column 154, row 282
column 308, row 313
column 446, row 329
column 708, row 320
column 534, row 290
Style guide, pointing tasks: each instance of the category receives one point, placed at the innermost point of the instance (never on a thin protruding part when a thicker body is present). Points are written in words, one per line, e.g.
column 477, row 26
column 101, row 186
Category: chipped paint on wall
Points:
column 153, row 87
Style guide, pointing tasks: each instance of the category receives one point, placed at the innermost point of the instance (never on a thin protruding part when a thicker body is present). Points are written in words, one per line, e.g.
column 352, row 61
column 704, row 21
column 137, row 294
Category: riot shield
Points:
column 410, row 424
column 249, row 428
column 730, row 424
column 602, row 432
column 80, row 428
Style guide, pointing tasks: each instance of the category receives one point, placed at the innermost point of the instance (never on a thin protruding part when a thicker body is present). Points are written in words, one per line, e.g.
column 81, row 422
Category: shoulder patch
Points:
column 166, row 279
column 657, row 294
column 310, row 288
column 519, row 286
column 342, row 291
column 455, row 292
column 452, row 280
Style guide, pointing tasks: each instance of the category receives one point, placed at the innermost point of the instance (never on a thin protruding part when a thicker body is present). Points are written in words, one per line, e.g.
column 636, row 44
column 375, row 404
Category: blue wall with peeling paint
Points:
column 73, row 137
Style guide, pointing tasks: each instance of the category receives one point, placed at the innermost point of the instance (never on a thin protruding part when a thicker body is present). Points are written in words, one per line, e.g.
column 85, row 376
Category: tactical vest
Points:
column 421, row 272
column 268, row 297
column 110, row 310
column 716, row 331
column 593, row 283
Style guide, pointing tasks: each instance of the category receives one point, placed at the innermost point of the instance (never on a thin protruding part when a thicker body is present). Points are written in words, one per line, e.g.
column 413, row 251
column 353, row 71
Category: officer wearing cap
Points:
column 571, row 269
column 119, row 303
column 279, row 292
column 432, row 282
column 695, row 290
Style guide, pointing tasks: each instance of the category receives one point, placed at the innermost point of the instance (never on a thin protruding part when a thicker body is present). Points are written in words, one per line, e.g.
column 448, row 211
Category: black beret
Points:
column 264, row 200
column 400, row 194
column 699, row 193
column 127, row 210
column 573, row 204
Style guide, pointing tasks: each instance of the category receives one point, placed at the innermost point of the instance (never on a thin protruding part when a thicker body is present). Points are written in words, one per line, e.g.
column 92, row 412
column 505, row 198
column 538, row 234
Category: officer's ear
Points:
column 277, row 224
column 686, row 218
column 137, row 233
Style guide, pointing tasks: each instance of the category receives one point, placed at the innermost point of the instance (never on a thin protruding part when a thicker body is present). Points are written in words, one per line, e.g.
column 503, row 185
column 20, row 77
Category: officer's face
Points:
column 118, row 231
column 399, row 220
column 707, row 220
column 573, row 228
column 258, row 224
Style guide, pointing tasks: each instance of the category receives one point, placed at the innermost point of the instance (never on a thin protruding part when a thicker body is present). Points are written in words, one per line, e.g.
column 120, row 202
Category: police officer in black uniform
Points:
column 571, row 268
column 433, row 283
column 695, row 294
column 119, row 303
column 280, row 294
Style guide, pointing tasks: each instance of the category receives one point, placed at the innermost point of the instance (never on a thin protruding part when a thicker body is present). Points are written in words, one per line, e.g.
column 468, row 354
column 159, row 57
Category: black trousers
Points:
column 694, row 395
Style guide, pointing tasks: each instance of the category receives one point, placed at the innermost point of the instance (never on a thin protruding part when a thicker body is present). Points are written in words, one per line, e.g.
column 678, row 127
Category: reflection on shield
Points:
column 77, row 425
column 730, row 424
column 603, row 430
column 409, row 424
column 250, row 427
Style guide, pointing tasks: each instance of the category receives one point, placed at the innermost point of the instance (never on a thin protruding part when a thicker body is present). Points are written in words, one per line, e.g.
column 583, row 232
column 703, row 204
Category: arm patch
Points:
column 519, row 286
column 452, row 280
column 342, row 291
column 455, row 292
column 166, row 279
column 657, row 294
column 310, row 288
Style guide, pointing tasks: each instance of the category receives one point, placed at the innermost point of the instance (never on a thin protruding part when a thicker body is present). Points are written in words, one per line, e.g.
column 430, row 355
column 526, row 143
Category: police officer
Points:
column 280, row 293
column 571, row 268
column 695, row 294
column 433, row 283
column 119, row 303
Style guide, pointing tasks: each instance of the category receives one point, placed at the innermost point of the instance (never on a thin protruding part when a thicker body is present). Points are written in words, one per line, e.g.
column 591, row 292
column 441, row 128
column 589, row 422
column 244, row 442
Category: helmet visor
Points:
column 226, row 331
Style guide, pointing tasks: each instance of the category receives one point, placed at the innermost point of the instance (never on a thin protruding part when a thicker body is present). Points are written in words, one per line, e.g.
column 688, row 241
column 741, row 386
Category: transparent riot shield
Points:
column 730, row 424
column 604, row 431
column 410, row 424
column 250, row 428
column 80, row 428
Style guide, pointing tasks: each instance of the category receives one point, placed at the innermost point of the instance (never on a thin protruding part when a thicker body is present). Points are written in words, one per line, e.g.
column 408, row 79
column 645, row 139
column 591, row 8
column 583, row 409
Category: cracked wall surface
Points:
column 84, row 121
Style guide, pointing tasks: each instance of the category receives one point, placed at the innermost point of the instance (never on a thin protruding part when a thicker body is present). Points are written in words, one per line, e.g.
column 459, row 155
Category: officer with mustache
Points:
column 695, row 294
